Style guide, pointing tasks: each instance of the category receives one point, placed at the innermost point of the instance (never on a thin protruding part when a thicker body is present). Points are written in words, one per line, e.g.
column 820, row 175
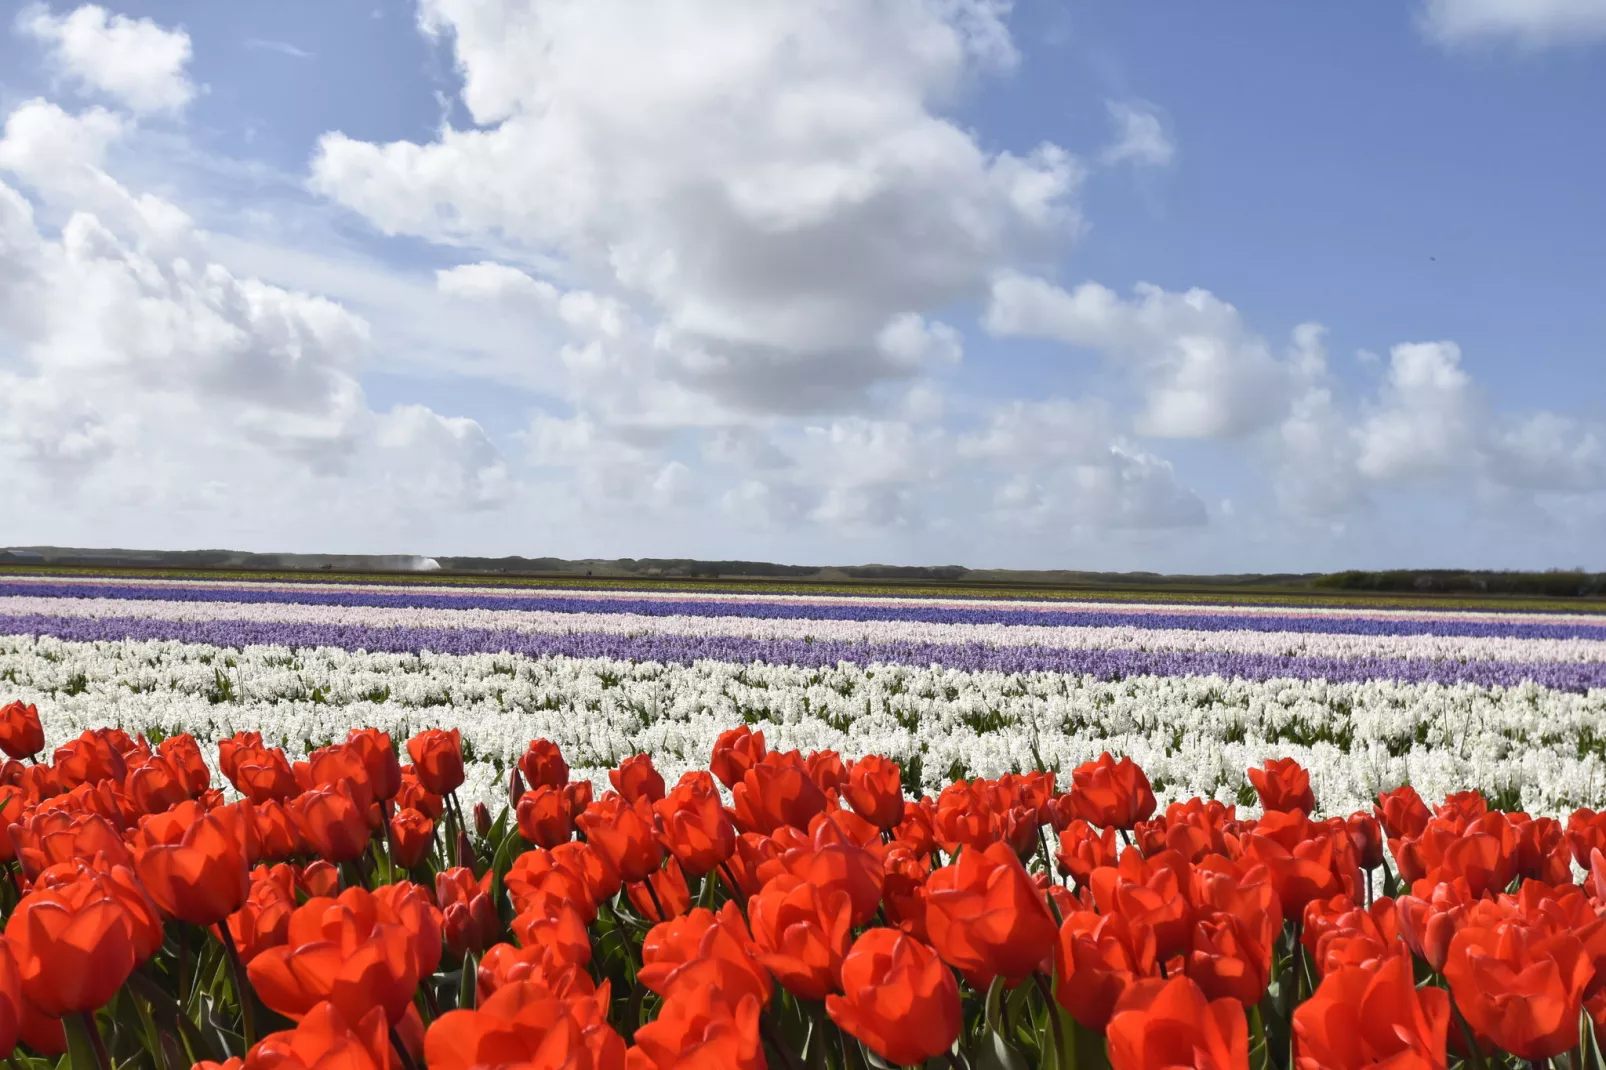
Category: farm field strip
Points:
column 1063, row 637
column 1539, row 747
column 900, row 610
column 1040, row 595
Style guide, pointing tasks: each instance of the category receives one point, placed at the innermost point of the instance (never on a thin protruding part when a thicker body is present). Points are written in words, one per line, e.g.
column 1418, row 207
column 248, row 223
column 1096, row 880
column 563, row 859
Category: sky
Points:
column 1174, row 287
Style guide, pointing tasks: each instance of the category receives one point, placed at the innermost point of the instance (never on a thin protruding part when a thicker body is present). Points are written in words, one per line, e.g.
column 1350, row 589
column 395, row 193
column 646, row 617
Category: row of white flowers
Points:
column 1194, row 735
column 1276, row 644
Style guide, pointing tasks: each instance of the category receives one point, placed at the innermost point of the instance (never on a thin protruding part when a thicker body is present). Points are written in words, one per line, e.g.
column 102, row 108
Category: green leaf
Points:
column 466, row 983
column 996, row 1052
column 510, row 848
column 80, row 1049
column 1259, row 1055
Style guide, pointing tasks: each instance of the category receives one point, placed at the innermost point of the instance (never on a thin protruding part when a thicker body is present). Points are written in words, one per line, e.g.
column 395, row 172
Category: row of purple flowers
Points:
column 559, row 603
column 676, row 649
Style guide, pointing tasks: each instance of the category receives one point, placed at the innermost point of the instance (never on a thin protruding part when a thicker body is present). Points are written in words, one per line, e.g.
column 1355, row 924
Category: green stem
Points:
column 96, row 1041
column 1054, row 1025
column 652, row 893
column 159, row 1000
column 402, row 1053
column 767, row 1030
column 1475, row 1056
column 242, row 991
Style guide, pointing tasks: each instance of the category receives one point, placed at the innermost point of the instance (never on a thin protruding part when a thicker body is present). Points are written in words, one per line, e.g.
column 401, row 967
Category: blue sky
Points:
column 1065, row 285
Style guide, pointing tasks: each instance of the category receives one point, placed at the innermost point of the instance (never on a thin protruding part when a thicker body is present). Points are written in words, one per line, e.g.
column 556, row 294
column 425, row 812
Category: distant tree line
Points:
column 1556, row 583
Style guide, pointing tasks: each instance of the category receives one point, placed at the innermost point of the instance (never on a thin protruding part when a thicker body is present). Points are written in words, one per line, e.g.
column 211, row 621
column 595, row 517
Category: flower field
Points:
column 424, row 827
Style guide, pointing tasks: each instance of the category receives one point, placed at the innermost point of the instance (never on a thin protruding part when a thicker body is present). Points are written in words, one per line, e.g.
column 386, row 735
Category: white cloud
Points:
column 283, row 48
column 1545, row 451
column 143, row 385
column 1429, row 427
column 1527, row 23
column 60, row 157
column 1426, row 425
column 133, row 61
column 766, row 187
column 1061, row 462
column 1140, row 136
column 1203, row 372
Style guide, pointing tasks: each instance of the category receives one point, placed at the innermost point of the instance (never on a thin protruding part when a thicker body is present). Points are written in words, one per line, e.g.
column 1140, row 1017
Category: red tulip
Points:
column 735, row 752
column 74, row 947
column 1401, row 812
column 202, row 879
column 903, row 890
column 523, row 1024
column 827, row 770
column 411, row 837
column 543, row 817
column 339, row 951
column 696, row 828
column 777, row 791
column 503, row 964
column 1110, row 793
column 802, row 932
column 636, row 779
column 898, row 998
column 1367, row 837
column 263, row 921
column 1283, row 785
column 1082, row 849
column 332, row 824
column 676, row 953
column 89, row 759
column 1170, row 1023
column 875, row 791
column 701, row 1027
column 264, row 774
column 1586, row 832
column 1359, row 1017
column 325, row 1039
column 1521, row 987
column 670, row 895
column 829, row 859
column 412, row 793
column 623, row 835
column 542, row 764
column 21, row 734
column 11, row 1002
column 185, row 754
column 378, row 756
column 438, row 759
column 52, row 836
column 986, row 917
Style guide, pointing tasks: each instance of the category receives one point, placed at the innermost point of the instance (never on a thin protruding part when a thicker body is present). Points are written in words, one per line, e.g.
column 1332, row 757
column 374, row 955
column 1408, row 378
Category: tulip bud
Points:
column 465, row 850
column 1367, row 837
column 411, row 836
column 482, row 820
column 459, row 930
column 515, row 788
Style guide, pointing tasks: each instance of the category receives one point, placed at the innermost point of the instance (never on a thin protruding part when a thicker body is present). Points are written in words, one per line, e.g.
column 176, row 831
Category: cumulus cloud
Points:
column 1063, row 462
column 1431, row 421
column 1140, row 136
column 1526, row 23
column 141, row 380
column 1204, row 374
column 768, row 208
column 61, row 157
column 135, row 62
column 1426, row 424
